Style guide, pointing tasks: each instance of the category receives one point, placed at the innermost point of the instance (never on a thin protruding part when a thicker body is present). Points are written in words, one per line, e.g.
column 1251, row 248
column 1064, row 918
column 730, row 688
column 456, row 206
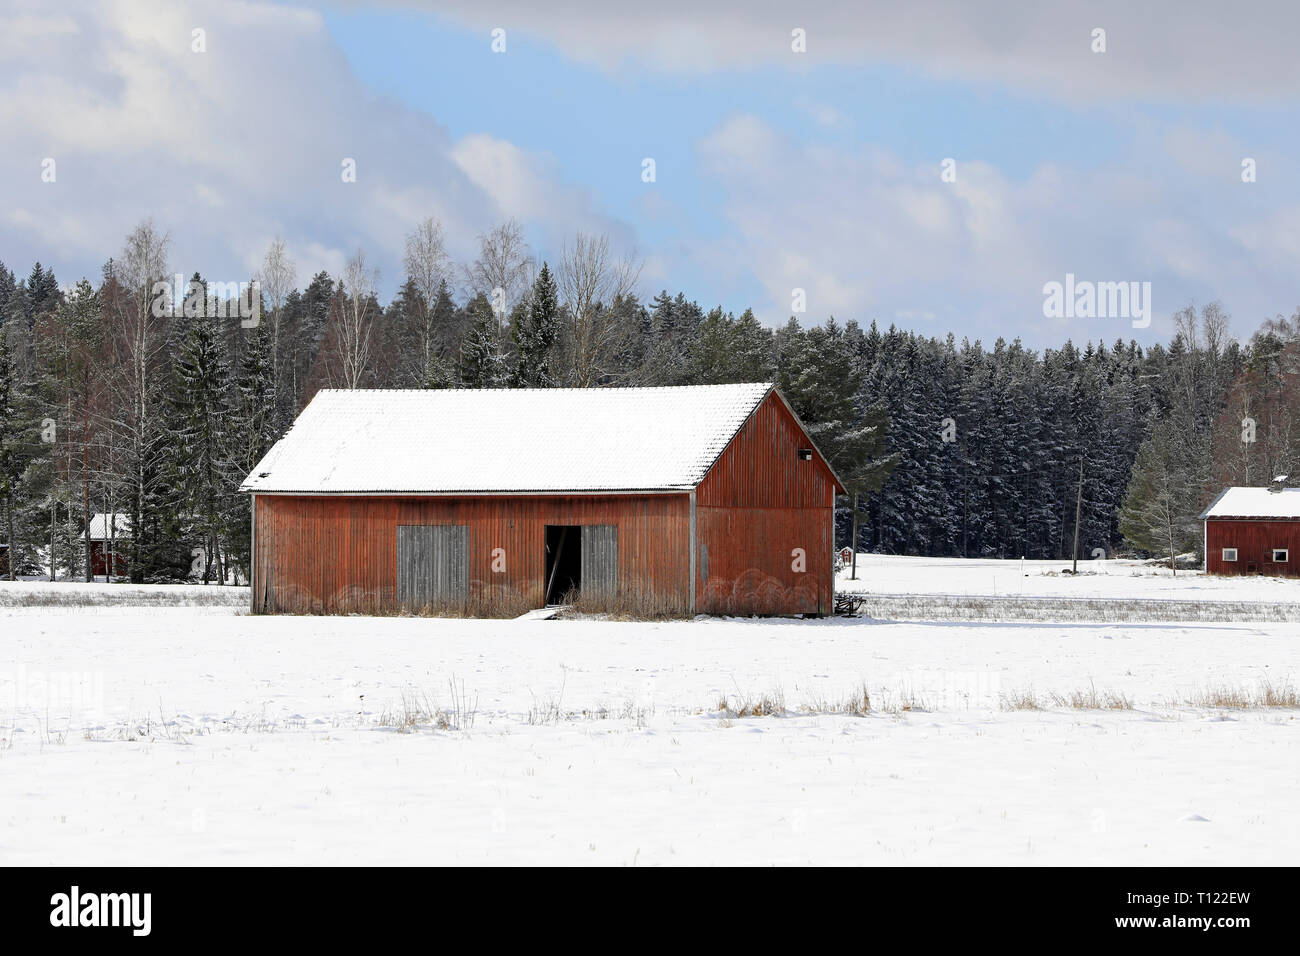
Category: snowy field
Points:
column 44, row 594
column 891, row 574
column 206, row 736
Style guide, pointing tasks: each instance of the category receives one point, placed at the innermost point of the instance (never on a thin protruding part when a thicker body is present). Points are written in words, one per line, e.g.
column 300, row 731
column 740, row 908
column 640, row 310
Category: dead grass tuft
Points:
column 496, row 602
column 1264, row 695
column 1020, row 700
column 417, row 710
column 1091, row 699
column 623, row 606
column 771, row 704
column 907, row 702
column 857, row 704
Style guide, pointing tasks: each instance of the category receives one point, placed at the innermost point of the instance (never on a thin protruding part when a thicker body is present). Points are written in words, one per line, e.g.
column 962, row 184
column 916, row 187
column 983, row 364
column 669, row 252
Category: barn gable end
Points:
column 764, row 520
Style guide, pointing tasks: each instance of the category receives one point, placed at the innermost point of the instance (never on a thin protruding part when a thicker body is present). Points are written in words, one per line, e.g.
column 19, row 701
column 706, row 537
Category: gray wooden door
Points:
column 599, row 560
column 432, row 565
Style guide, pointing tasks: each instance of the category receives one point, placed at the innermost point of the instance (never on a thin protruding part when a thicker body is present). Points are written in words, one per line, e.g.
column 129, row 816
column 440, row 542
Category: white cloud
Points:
column 228, row 147
column 869, row 237
column 1176, row 50
column 18, row 30
column 824, row 114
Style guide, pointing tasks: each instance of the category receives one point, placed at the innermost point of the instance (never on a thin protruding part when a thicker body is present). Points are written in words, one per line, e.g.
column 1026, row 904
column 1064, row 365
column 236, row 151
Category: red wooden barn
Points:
column 1254, row 531
column 708, row 499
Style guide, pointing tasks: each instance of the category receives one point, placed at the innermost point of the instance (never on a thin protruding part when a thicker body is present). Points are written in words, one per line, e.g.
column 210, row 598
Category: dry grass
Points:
column 1020, row 700
column 907, row 702
column 771, row 704
column 547, row 712
column 946, row 607
column 631, row 711
column 1263, row 696
column 856, row 704
column 418, row 710
column 492, row 603
column 623, row 606
column 764, row 705
column 553, row 712
column 77, row 595
column 1092, row 699
column 505, row 602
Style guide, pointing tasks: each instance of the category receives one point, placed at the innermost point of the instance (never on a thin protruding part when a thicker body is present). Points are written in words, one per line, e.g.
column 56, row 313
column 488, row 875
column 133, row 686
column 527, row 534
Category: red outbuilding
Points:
column 700, row 499
column 1254, row 531
column 110, row 542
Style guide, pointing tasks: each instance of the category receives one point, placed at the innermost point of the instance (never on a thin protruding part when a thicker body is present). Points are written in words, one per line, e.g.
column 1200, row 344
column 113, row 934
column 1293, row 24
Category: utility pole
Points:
column 965, row 506
column 85, row 497
column 1078, row 509
column 54, row 514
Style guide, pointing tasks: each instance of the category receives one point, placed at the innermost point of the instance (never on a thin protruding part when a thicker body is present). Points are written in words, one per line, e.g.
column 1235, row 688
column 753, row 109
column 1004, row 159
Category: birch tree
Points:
column 277, row 277
column 355, row 314
column 504, row 263
column 141, row 340
column 427, row 266
column 591, row 280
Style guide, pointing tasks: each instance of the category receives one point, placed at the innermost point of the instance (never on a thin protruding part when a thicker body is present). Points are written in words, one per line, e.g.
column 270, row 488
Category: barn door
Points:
column 599, row 561
column 432, row 565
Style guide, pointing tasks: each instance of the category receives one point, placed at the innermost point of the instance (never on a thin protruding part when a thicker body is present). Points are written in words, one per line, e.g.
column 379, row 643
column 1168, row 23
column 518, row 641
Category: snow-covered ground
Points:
column 892, row 574
column 207, row 736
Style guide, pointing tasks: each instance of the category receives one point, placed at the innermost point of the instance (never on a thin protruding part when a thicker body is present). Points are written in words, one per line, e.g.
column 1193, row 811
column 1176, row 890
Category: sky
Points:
column 933, row 165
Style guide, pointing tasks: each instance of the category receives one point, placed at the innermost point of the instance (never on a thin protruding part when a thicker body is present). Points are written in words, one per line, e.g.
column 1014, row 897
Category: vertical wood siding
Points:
column 758, row 503
column 432, row 565
column 600, row 561
column 1254, row 541
column 337, row 554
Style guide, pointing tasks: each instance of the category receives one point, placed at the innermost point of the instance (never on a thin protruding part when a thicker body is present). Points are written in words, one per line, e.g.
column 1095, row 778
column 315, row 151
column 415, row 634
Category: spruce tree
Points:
column 9, row 450
column 821, row 379
column 252, row 431
column 1155, row 517
column 202, row 465
column 536, row 334
column 482, row 364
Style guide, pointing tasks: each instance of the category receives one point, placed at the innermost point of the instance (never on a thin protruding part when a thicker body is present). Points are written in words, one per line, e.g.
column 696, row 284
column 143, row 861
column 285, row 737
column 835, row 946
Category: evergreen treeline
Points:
column 114, row 400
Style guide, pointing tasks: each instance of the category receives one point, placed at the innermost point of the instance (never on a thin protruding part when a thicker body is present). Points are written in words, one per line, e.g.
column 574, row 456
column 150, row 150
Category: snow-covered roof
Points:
column 1255, row 503
column 441, row 441
column 99, row 526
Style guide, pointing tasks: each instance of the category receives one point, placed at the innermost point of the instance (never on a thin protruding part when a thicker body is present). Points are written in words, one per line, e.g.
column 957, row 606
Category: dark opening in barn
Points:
column 563, row 562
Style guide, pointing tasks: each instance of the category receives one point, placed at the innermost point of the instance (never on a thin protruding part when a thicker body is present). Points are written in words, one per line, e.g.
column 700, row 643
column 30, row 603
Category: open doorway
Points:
column 563, row 561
